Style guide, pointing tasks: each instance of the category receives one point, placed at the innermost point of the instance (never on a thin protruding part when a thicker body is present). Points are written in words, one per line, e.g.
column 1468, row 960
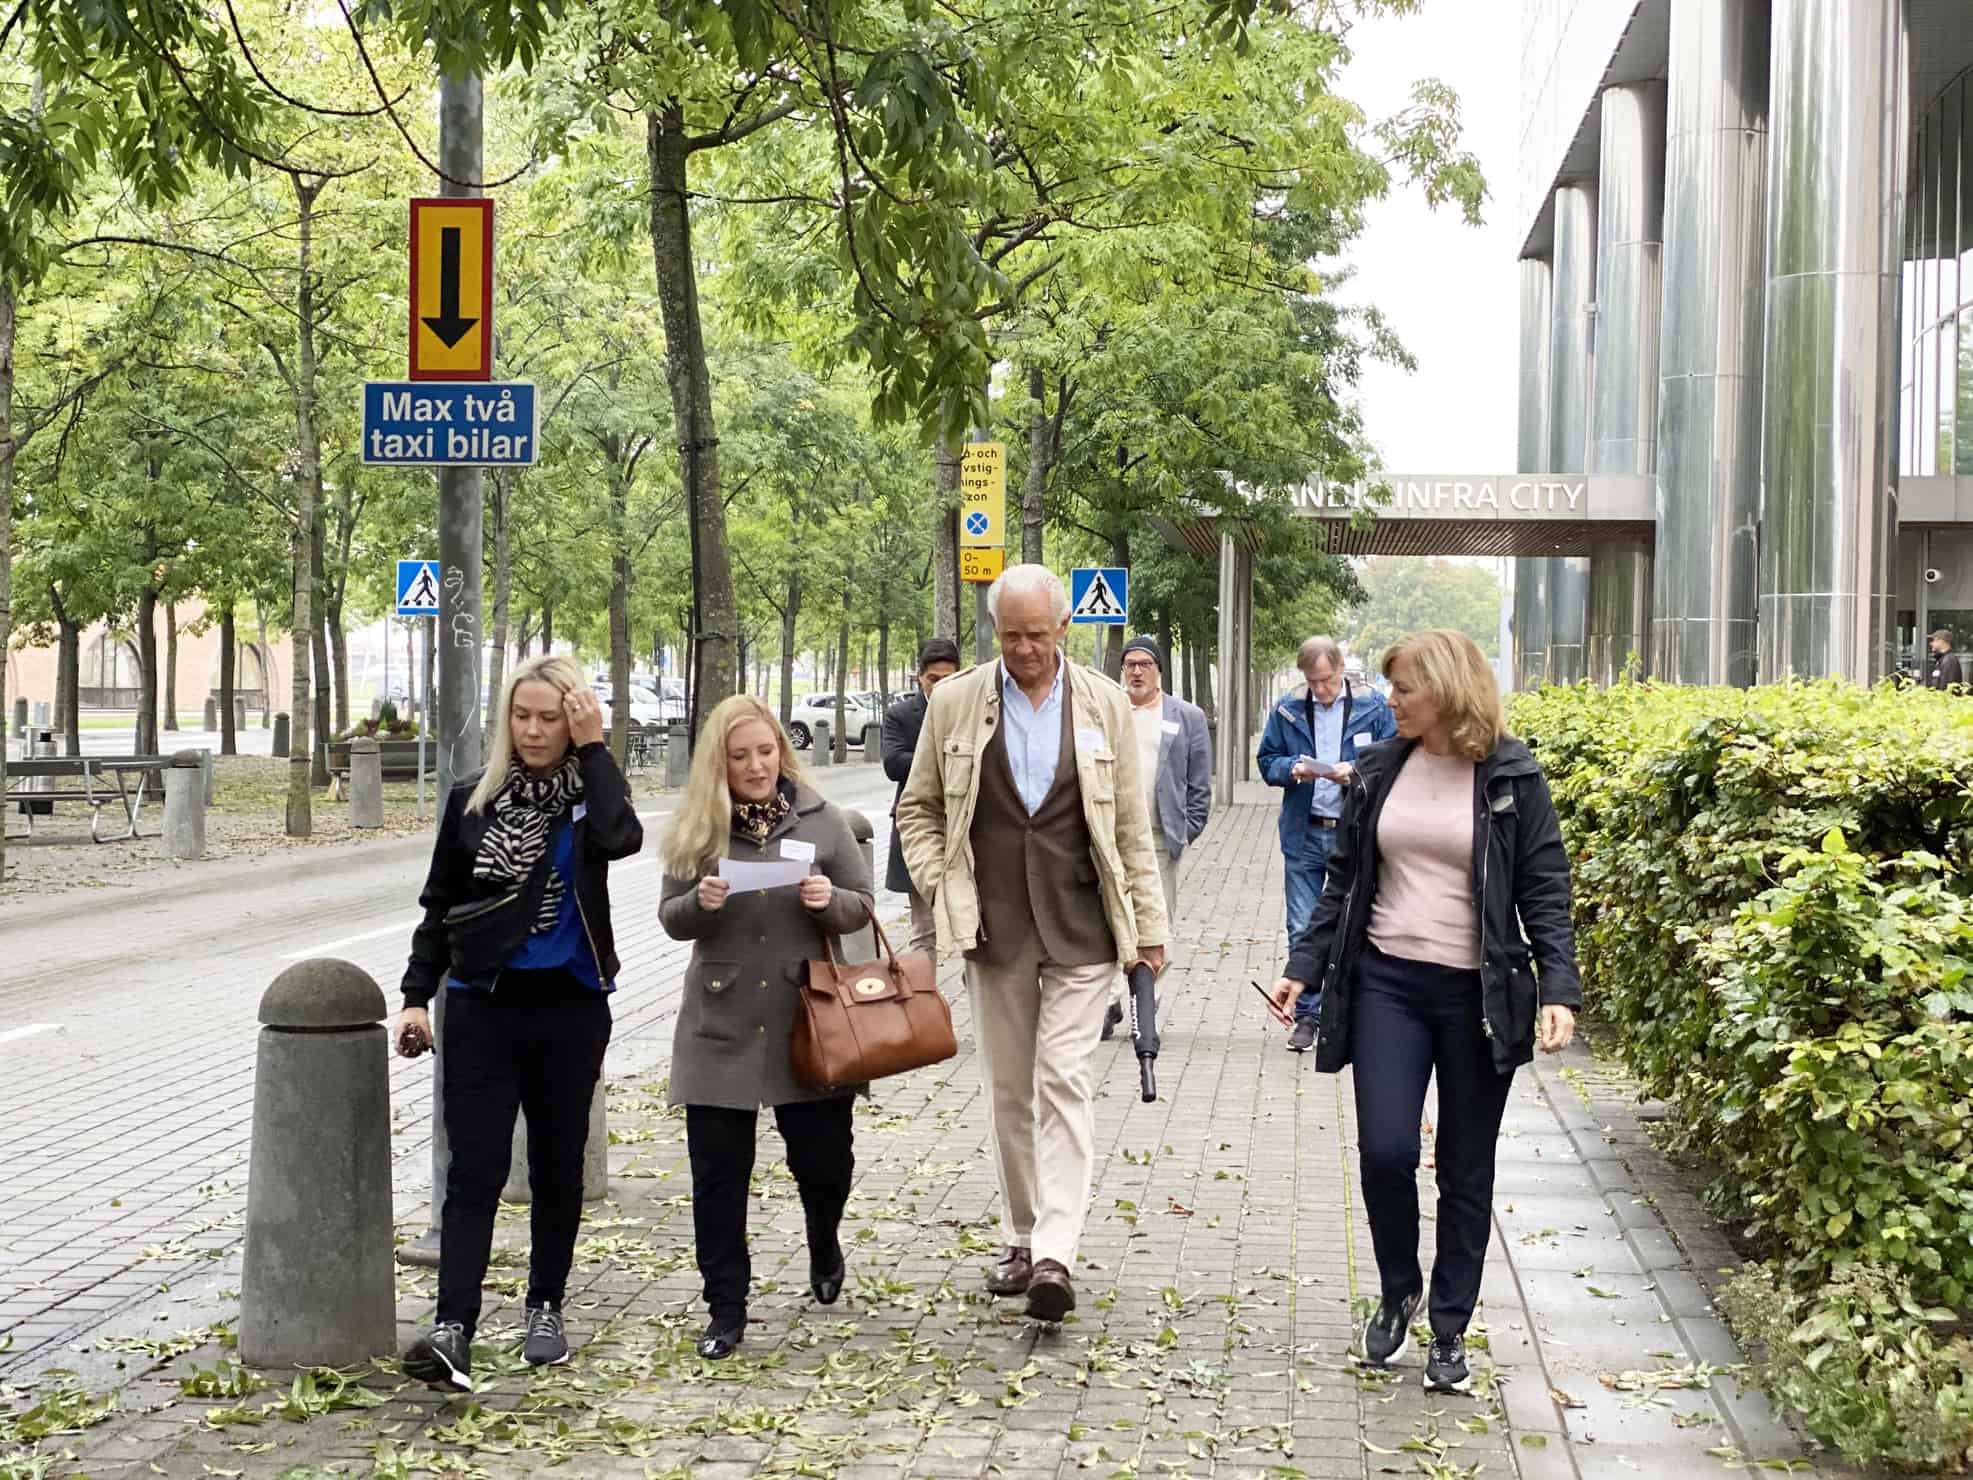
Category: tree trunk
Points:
column 319, row 770
column 503, row 590
column 841, row 737
column 619, row 601
column 547, row 629
column 945, row 544
column 147, row 675
column 716, row 621
column 301, row 752
column 1041, row 456
column 884, row 656
column 68, row 673
column 789, row 611
column 1202, row 678
column 335, row 591
column 1114, row 637
column 1164, row 646
column 171, row 665
column 229, row 647
column 261, row 654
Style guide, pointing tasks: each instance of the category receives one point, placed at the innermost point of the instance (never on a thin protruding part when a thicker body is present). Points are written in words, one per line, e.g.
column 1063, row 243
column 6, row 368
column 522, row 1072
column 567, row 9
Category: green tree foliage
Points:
column 1406, row 594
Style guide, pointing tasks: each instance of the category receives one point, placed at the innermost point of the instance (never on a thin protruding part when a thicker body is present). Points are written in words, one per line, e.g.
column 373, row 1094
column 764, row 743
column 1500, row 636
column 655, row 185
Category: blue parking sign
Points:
column 417, row 588
column 1100, row 595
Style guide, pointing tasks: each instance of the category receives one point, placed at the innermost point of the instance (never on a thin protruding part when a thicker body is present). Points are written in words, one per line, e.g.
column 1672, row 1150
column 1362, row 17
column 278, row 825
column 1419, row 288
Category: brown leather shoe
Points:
column 1050, row 1295
column 1010, row 1276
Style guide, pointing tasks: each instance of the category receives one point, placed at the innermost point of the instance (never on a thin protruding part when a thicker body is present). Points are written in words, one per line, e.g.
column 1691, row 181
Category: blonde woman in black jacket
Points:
column 517, row 931
column 1443, row 947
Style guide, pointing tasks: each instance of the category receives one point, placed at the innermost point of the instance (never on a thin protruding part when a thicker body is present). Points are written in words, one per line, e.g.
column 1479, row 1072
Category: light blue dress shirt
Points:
column 1326, row 800
column 1033, row 737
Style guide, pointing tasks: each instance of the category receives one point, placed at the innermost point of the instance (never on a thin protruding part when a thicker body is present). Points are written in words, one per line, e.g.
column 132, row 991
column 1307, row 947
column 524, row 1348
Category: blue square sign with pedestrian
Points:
column 1100, row 595
column 417, row 588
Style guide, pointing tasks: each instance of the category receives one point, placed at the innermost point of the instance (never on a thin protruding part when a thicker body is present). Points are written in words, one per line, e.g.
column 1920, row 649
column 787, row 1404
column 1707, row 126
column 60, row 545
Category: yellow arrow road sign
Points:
column 451, row 289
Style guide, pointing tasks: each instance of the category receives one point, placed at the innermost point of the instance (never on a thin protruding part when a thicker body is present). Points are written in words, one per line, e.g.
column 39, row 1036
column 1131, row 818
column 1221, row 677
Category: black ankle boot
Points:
column 722, row 1336
column 826, row 1276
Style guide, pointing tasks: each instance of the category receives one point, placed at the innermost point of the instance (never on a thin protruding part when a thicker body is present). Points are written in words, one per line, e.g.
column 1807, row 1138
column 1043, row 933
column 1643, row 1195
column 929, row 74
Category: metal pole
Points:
column 982, row 625
column 461, row 114
column 424, row 725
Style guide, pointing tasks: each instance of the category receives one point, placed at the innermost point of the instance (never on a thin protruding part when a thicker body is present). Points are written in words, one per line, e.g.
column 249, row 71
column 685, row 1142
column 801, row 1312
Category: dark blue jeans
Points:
column 1413, row 1019
column 1305, row 874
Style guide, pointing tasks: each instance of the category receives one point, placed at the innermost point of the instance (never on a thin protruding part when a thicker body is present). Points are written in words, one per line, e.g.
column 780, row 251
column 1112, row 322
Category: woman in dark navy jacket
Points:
column 517, row 927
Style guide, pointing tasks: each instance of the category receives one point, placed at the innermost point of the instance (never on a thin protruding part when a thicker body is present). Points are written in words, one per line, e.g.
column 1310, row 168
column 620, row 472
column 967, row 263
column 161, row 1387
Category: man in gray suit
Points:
column 1177, row 763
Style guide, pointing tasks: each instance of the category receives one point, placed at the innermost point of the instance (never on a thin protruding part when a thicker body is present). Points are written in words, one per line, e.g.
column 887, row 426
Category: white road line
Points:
column 28, row 1032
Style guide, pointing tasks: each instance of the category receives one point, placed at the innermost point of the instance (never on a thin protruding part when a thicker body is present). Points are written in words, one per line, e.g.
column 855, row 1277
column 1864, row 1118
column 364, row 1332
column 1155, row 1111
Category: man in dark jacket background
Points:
column 938, row 658
column 1947, row 671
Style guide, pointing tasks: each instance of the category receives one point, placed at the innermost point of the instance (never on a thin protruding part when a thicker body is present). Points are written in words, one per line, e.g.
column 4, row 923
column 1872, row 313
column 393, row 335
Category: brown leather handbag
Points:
column 868, row 1021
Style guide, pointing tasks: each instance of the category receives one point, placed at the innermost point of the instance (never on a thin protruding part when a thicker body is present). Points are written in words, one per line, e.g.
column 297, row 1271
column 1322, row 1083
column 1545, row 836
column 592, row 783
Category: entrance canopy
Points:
column 1463, row 514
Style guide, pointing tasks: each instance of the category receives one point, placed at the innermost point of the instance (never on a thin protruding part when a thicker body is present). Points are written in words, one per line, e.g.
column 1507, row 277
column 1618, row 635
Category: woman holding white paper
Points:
column 749, row 807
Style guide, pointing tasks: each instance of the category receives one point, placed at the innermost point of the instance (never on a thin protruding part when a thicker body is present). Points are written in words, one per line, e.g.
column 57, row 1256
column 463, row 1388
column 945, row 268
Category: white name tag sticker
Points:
column 1363, row 739
column 1089, row 739
column 796, row 849
column 581, row 811
column 1172, row 727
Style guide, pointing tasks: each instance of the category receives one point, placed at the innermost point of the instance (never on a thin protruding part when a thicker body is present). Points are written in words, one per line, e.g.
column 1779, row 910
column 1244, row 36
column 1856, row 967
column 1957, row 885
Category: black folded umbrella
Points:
column 1144, row 1025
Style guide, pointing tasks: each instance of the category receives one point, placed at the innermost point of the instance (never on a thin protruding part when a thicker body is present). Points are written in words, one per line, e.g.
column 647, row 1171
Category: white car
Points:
column 647, row 710
column 812, row 709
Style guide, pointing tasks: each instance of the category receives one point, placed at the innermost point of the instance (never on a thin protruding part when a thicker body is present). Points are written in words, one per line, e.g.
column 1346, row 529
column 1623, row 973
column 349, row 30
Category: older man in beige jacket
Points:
column 1024, row 821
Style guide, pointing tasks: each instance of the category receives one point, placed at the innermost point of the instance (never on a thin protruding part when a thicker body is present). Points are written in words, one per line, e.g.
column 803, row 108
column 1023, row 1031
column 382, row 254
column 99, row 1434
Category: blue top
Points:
column 1033, row 736
column 1326, row 797
column 566, row 947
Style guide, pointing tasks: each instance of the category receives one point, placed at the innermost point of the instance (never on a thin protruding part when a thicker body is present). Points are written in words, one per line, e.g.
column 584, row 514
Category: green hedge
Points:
column 1774, row 898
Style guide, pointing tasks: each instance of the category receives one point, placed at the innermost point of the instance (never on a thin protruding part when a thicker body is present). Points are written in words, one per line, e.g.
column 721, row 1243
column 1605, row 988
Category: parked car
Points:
column 860, row 724
column 647, row 710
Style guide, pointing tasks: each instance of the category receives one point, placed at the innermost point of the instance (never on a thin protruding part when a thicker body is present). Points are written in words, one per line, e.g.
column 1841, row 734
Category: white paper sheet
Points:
column 778, row 874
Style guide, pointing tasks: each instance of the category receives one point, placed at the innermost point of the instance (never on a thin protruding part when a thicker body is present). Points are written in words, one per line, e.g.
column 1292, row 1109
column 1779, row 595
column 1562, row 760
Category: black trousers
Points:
column 535, row 1043
column 1414, row 1019
column 721, row 1145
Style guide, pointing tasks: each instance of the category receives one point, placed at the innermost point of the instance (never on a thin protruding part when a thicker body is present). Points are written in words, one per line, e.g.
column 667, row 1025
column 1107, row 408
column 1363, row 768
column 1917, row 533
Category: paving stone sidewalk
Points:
column 1225, row 1263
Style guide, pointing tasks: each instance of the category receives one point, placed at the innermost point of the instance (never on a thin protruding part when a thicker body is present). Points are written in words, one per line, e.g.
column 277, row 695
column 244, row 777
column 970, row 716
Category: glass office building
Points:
column 1747, row 274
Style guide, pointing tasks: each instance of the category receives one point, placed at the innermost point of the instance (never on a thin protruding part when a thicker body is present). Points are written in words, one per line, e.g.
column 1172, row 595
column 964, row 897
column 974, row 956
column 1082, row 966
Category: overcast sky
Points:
column 1450, row 290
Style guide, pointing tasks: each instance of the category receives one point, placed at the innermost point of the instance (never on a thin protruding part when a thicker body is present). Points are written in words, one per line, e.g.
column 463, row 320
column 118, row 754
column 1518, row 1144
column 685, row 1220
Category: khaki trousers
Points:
column 924, row 928
column 1037, row 1024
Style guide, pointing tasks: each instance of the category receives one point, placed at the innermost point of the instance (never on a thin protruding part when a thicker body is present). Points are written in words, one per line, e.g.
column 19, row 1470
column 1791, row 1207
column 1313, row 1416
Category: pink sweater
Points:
column 1424, row 906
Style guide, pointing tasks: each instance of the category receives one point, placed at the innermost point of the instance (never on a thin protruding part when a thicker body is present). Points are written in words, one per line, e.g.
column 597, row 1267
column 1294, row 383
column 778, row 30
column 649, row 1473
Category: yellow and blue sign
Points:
column 983, row 497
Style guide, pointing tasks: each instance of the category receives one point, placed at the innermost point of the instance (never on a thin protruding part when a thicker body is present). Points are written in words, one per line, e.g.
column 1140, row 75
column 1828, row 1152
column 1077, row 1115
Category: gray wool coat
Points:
column 730, row 1047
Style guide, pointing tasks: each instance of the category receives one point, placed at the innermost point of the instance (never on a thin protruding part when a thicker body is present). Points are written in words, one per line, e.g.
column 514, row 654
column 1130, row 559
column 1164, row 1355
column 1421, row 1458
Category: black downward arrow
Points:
column 448, row 325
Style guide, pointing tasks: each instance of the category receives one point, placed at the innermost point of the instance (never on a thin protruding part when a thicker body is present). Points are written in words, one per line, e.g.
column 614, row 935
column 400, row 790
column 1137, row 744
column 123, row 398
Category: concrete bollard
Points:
column 861, row 945
column 678, row 756
column 184, row 807
column 44, row 714
column 212, row 715
column 280, row 749
column 239, row 713
column 595, row 1154
column 820, row 751
column 316, row 1285
column 20, row 716
column 366, row 783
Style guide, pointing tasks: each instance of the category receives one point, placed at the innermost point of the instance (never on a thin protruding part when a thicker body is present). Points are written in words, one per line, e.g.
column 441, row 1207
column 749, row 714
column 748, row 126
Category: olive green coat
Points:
column 730, row 1048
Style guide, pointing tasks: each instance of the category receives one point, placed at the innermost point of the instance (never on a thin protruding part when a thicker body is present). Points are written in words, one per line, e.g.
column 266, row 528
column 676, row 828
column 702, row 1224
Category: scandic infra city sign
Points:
column 1473, row 496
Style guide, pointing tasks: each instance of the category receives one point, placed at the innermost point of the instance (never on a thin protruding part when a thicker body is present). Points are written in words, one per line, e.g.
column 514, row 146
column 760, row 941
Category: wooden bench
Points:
column 400, row 758
column 93, row 780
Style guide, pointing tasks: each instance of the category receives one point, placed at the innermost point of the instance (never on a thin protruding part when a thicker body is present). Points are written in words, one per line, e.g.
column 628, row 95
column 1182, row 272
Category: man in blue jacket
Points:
column 1309, row 749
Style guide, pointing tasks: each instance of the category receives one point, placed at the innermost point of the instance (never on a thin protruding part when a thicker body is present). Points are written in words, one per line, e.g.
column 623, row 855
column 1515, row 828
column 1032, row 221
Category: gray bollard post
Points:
column 44, row 714
column 595, row 1154
column 678, row 758
column 861, row 945
column 820, row 751
column 212, row 715
column 239, row 713
column 184, row 807
column 316, row 1286
column 20, row 716
column 280, row 749
column 366, row 783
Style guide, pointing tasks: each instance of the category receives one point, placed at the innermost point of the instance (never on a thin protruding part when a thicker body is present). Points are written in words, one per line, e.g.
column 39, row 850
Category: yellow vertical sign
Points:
column 451, row 288
column 983, row 496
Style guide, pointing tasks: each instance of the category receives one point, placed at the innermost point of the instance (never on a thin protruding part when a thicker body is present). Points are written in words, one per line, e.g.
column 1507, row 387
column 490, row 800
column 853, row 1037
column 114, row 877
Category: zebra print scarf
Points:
column 525, row 812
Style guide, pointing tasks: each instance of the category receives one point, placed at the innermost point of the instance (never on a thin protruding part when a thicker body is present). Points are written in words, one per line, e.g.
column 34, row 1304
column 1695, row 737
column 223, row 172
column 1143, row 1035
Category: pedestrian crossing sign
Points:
column 417, row 588
column 1099, row 595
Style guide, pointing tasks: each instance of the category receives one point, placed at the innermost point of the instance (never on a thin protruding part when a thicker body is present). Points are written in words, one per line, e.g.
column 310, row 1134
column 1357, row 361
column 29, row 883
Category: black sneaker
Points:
column 442, row 1357
column 1113, row 1015
column 547, row 1343
column 1445, row 1366
column 1387, row 1334
column 1301, row 1038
